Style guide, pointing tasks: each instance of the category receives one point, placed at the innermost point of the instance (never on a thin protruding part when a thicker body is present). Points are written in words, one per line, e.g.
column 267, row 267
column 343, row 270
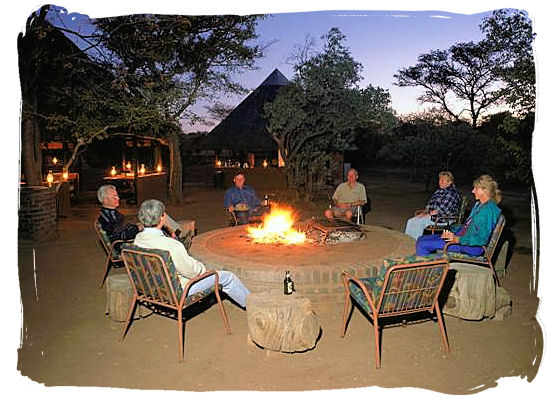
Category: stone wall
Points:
column 37, row 213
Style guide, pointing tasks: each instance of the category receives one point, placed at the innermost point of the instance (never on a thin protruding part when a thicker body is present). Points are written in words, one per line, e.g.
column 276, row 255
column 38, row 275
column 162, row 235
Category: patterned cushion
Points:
column 155, row 266
column 396, row 283
column 115, row 255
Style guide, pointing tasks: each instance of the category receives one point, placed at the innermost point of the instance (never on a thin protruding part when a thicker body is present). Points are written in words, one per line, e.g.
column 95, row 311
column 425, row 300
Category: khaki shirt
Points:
column 346, row 194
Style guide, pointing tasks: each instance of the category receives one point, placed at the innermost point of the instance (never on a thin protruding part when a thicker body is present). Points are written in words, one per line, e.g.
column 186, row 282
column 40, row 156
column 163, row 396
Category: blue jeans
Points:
column 415, row 226
column 230, row 283
column 430, row 243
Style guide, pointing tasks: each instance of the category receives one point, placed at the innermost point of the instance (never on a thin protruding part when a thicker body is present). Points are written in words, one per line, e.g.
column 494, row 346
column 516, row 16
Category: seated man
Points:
column 110, row 219
column 347, row 197
column 242, row 201
column 113, row 223
column 153, row 216
column 444, row 202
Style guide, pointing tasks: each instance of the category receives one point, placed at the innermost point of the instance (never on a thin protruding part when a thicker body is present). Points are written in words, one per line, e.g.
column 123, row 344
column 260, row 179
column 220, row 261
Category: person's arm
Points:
column 253, row 198
column 186, row 265
column 450, row 200
column 480, row 229
column 227, row 201
column 362, row 199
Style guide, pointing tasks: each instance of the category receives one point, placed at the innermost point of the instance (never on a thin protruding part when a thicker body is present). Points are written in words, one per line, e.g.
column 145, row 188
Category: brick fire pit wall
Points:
column 315, row 269
column 37, row 213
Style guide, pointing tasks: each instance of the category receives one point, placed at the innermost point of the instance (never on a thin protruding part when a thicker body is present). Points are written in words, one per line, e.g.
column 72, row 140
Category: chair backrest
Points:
column 495, row 236
column 412, row 288
column 102, row 236
column 462, row 210
column 152, row 274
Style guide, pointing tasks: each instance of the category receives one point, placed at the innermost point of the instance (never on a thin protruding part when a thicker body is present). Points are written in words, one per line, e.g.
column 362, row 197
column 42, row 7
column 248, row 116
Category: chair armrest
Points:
column 347, row 277
column 199, row 278
column 119, row 241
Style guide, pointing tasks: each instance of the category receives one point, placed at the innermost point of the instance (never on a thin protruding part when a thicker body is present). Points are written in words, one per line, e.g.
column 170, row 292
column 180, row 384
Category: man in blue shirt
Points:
column 242, row 201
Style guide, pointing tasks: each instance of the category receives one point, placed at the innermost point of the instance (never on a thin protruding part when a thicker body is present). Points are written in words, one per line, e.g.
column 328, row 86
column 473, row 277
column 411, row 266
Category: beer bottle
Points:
column 288, row 286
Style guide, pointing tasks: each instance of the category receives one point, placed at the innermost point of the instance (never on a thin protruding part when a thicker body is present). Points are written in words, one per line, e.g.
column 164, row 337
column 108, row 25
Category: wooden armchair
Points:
column 154, row 280
column 404, row 286
column 488, row 251
column 446, row 222
column 112, row 250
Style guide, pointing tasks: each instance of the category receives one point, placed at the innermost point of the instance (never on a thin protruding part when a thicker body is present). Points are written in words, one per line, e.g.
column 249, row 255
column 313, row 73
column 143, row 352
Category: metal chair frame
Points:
column 376, row 310
column 146, row 292
column 109, row 248
column 488, row 252
column 445, row 222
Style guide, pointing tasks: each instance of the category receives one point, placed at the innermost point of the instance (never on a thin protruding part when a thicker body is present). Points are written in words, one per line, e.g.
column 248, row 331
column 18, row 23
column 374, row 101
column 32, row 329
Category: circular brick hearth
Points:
column 315, row 269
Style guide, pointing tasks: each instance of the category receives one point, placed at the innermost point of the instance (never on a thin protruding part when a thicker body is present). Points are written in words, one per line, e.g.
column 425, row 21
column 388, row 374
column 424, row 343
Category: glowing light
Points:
column 264, row 163
column 142, row 169
column 49, row 178
column 159, row 168
column 113, row 171
column 129, row 166
column 65, row 175
column 54, row 160
column 219, row 163
column 277, row 227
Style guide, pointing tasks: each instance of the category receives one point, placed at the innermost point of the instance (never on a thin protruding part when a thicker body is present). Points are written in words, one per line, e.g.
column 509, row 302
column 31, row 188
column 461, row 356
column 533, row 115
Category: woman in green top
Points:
column 477, row 229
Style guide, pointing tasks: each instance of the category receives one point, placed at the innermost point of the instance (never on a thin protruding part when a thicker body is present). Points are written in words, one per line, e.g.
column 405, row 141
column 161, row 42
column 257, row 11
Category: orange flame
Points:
column 277, row 228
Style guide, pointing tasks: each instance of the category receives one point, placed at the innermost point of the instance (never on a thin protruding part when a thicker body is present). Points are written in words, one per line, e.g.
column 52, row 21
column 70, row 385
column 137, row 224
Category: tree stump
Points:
column 473, row 294
column 119, row 296
column 280, row 322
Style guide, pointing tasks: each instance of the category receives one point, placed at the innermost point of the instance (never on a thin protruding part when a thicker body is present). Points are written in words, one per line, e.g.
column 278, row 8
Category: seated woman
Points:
column 443, row 202
column 477, row 229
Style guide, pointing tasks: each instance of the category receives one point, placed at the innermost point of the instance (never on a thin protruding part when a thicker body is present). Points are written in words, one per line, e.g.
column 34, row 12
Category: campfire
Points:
column 277, row 227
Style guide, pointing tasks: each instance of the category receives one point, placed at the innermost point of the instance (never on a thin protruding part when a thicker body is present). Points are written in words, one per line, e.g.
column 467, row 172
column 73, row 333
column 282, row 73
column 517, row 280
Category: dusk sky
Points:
column 383, row 41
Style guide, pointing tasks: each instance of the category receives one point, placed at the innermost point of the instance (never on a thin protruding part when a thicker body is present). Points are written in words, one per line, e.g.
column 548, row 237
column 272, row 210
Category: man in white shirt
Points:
column 347, row 197
column 152, row 215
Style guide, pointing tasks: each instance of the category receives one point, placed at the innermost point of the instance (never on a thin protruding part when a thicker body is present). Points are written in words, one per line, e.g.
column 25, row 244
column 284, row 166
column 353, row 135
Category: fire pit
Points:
column 315, row 268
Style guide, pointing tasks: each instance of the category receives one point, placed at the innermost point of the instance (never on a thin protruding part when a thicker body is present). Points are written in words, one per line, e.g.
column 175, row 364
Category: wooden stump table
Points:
column 118, row 296
column 280, row 322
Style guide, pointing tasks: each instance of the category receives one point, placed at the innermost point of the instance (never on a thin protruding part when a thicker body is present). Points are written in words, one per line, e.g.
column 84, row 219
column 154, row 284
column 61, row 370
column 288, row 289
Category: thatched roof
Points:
column 244, row 128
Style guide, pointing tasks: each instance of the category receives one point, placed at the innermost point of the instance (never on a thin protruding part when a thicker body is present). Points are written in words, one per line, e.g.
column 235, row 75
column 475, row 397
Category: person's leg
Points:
column 427, row 244
column 230, row 284
column 416, row 225
column 469, row 250
column 328, row 214
column 242, row 217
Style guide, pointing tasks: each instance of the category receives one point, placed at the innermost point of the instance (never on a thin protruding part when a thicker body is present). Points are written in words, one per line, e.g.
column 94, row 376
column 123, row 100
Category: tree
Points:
column 474, row 77
column 321, row 107
column 172, row 61
column 150, row 69
column 510, row 33
column 462, row 78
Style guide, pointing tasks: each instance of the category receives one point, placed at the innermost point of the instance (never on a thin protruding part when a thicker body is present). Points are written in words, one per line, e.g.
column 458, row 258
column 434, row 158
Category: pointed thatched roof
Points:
column 244, row 128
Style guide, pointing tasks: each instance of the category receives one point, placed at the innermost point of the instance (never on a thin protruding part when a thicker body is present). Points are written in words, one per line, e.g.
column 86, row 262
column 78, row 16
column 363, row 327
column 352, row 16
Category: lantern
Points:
column 264, row 163
column 129, row 166
column 65, row 175
column 54, row 160
column 49, row 178
column 159, row 168
column 142, row 169
column 113, row 171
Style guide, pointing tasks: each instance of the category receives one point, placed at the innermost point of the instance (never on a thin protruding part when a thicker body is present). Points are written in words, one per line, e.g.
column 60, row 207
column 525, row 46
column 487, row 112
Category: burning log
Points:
column 281, row 322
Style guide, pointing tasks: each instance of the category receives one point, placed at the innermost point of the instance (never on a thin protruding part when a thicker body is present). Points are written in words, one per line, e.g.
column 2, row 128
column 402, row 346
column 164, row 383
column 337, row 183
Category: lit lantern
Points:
column 219, row 163
column 65, row 175
column 129, row 166
column 113, row 171
column 142, row 169
column 49, row 178
column 264, row 163
column 159, row 168
column 54, row 160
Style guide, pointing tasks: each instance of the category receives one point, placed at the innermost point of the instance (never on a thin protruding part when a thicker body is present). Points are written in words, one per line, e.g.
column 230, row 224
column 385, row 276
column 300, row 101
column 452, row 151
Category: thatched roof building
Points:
column 243, row 130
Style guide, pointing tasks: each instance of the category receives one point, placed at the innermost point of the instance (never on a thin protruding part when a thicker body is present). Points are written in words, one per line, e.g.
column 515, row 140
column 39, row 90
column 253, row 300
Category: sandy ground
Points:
column 68, row 341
